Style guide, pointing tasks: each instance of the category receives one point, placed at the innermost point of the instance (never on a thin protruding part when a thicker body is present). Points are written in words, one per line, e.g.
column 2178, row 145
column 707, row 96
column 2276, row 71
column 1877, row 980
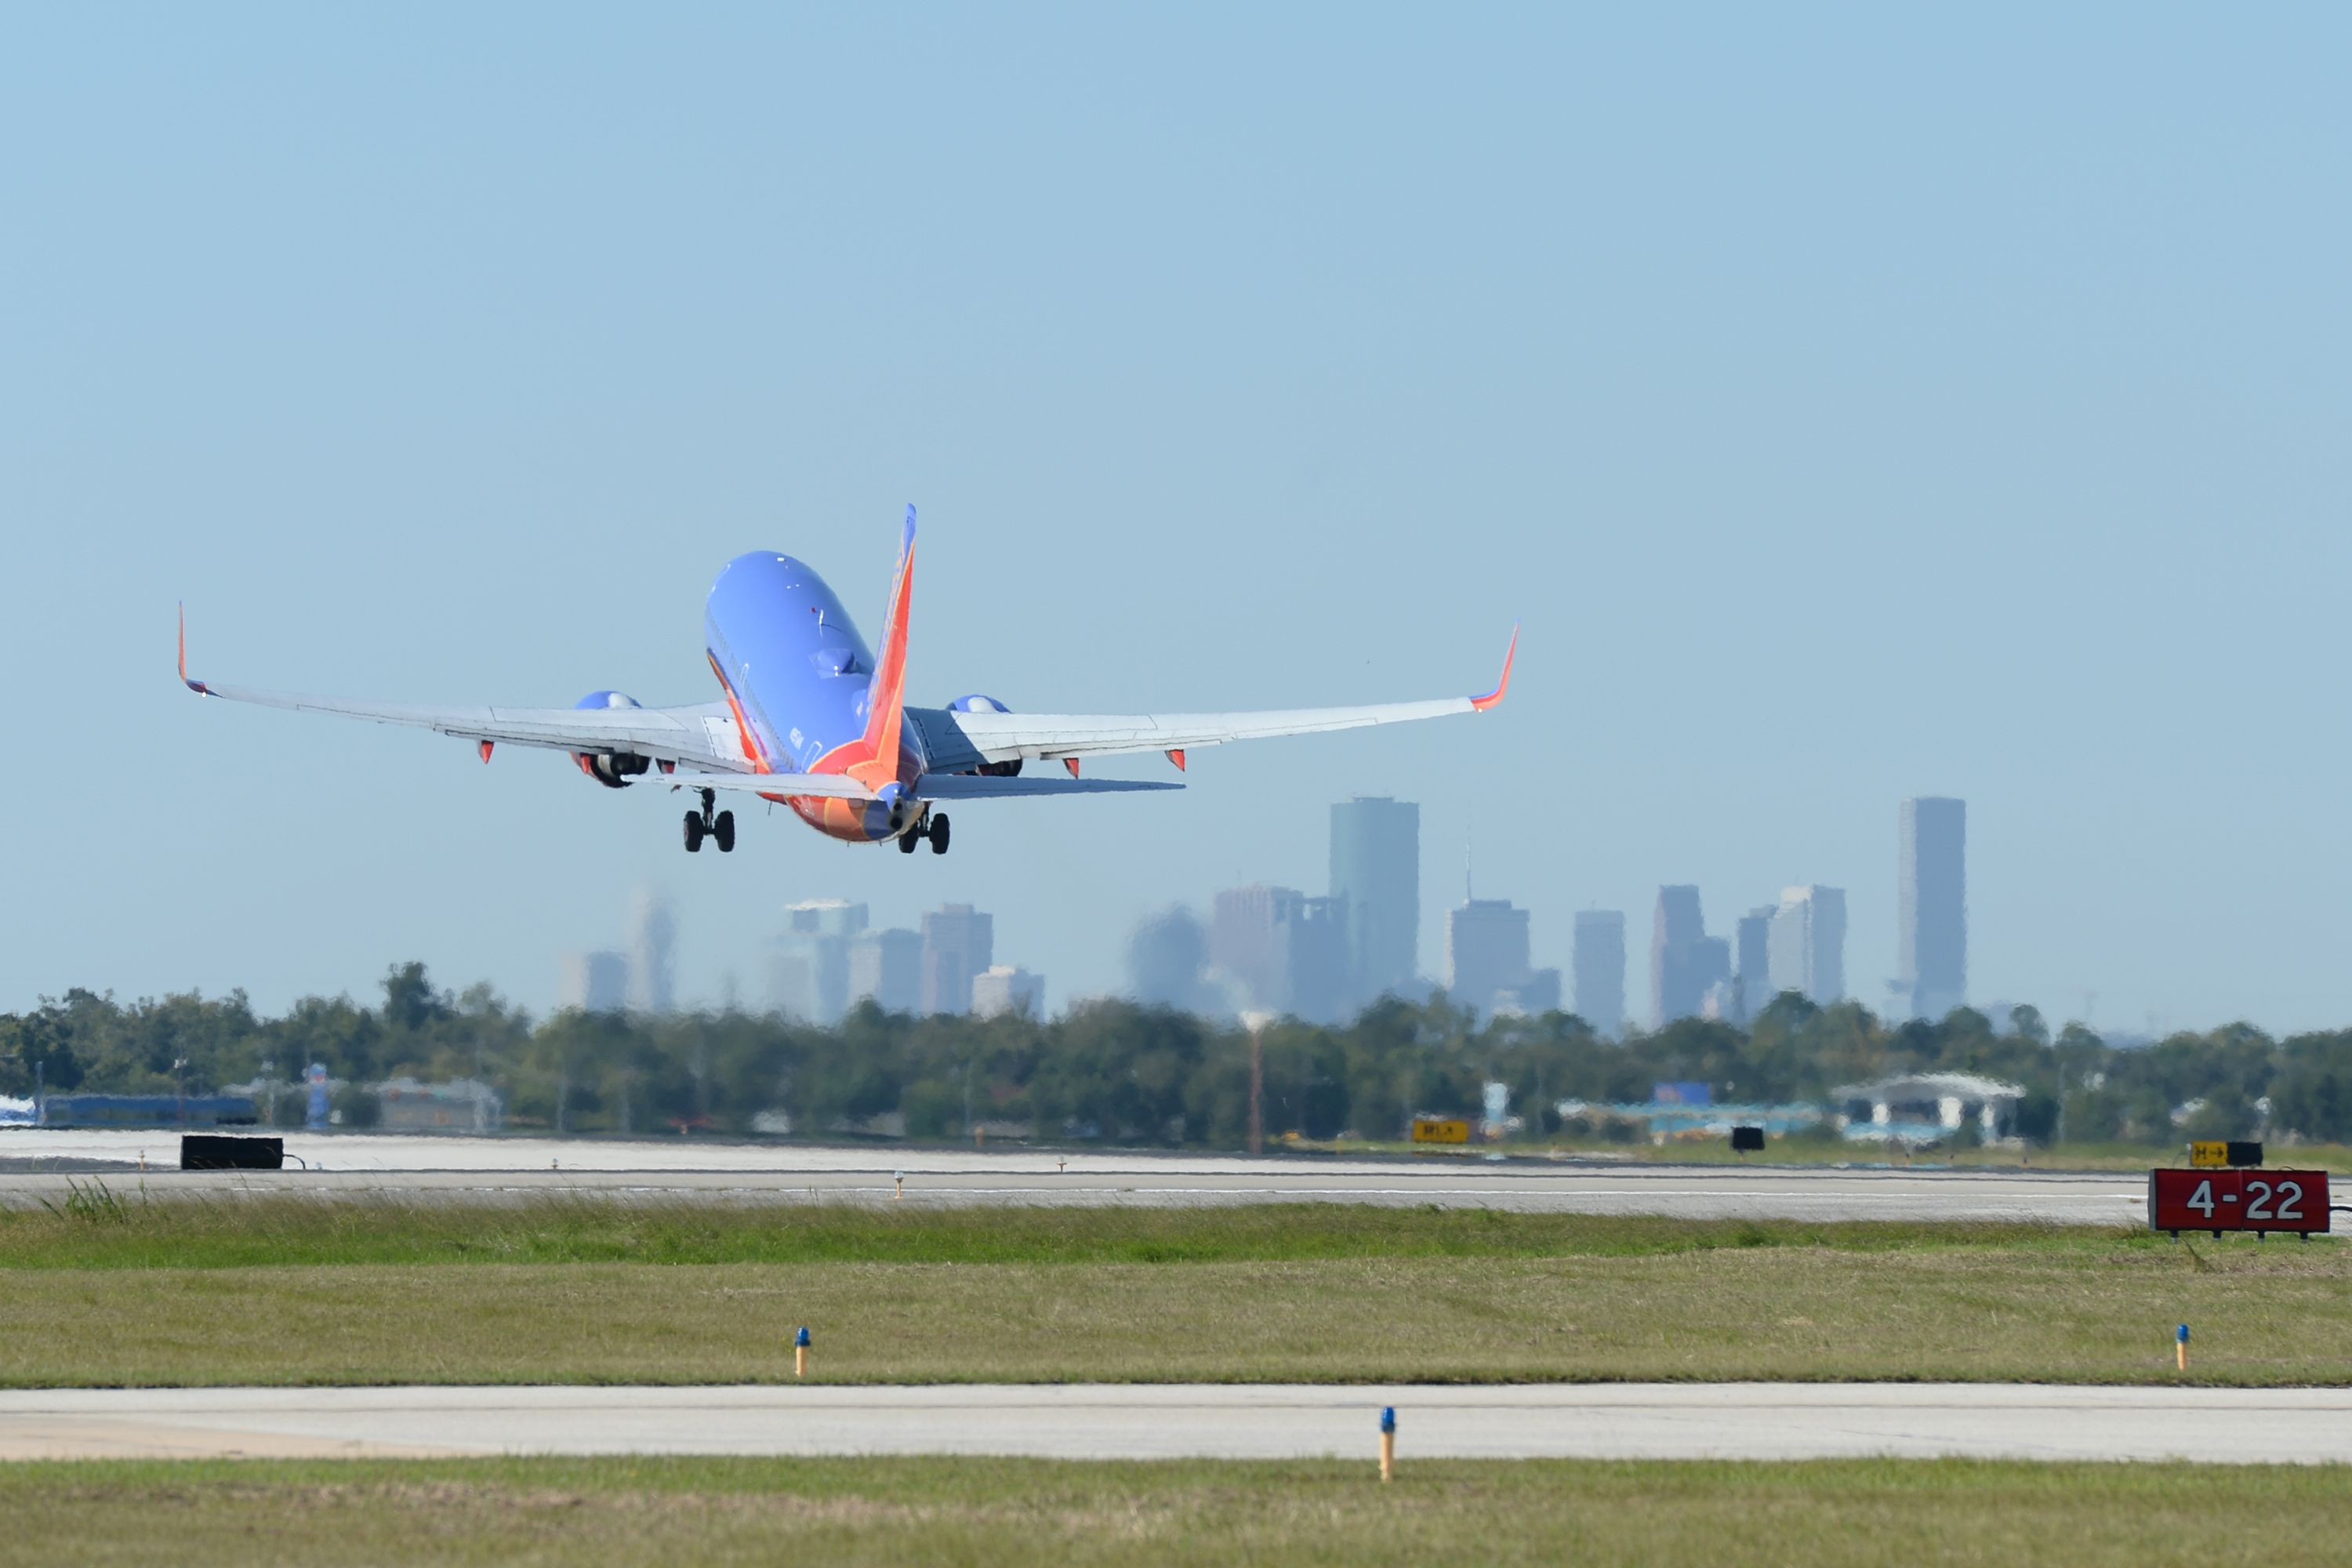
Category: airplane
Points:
column 811, row 720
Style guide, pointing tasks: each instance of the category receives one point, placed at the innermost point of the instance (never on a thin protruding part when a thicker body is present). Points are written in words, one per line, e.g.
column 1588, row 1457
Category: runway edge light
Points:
column 2181, row 1347
column 1388, row 1442
column 800, row 1352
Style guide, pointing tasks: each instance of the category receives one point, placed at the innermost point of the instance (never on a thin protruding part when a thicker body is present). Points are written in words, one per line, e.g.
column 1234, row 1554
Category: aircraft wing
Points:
column 960, row 740
column 703, row 735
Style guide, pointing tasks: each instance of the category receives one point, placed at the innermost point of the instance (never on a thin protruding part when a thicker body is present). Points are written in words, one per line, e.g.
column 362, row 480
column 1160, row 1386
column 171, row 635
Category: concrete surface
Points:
column 516, row 1169
column 1636, row 1421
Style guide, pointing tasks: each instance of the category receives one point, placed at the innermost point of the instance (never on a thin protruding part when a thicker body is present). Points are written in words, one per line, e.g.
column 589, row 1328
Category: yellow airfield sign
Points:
column 2209, row 1154
column 1440, row 1130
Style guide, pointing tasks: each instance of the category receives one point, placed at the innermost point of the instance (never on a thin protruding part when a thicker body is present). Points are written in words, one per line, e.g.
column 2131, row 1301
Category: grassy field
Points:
column 290, row 1291
column 858, row 1512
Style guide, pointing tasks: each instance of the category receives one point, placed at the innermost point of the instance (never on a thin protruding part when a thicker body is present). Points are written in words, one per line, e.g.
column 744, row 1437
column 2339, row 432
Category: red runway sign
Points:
column 2237, row 1200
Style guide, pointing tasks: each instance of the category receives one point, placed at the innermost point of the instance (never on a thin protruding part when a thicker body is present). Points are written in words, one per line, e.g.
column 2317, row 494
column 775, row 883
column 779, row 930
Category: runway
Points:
column 516, row 1169
column 1598, row 1421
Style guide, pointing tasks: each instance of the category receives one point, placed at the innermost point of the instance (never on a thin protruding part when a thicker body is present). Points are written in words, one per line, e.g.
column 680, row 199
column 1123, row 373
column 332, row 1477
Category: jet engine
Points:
column 976, row 703
column 614, row 770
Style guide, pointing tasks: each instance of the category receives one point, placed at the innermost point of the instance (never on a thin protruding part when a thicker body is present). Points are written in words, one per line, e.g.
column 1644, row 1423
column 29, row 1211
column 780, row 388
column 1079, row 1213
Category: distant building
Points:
column 886, row 968
column 1002, row 989
column 1752, row 963
column 1533, row 997
column 1485, row 953
column 1376, row 879
column 1920, row 1108
column 1931, row 895
column 1807, row 942
column 959, row 943
column 1166, row 960
column 652, row 942
column 463, row 1105
column 148, row 1110
column 808, row 972
column 1599, row 962
column 1278, row 950
column 594, row 981
column 1685, row 962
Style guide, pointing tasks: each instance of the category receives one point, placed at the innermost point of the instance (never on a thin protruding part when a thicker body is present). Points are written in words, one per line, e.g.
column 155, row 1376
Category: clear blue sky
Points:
column 1853, row 402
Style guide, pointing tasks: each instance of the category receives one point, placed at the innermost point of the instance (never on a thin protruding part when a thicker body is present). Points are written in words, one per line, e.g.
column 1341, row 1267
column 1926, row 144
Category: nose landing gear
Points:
column 719, row 827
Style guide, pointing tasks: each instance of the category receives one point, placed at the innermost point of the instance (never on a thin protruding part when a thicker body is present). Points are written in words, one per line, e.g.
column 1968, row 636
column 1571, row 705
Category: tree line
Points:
column 1137, row 1074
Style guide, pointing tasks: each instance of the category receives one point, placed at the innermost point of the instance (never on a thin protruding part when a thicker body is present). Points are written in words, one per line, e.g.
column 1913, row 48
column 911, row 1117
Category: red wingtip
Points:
column 1071, row 763
column 1177, row 756
column 1503, row 685
column 195, row 686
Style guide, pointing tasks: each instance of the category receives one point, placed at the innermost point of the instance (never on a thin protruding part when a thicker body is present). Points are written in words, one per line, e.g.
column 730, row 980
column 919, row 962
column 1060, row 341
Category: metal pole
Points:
column 1257, row 1092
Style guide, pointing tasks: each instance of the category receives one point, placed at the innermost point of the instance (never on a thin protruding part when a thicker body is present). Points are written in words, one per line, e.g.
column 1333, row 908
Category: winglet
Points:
column 1482, row 703
column 197, row 687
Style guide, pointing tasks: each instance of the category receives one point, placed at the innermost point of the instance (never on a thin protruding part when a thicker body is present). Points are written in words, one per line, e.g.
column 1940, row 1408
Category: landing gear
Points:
column 938, row 833
column 719, row 827
column 907, row 841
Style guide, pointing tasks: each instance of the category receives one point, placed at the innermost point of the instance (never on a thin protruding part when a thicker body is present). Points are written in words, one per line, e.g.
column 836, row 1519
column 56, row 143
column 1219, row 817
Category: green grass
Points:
column 581, row 1513
column 101, row 1227
column 283, row 1291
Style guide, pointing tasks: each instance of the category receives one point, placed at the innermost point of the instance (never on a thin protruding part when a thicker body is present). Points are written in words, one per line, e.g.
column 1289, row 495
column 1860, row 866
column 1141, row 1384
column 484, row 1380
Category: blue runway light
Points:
column 2182, row 1334
column 801, row 1340
column 1388, row 1416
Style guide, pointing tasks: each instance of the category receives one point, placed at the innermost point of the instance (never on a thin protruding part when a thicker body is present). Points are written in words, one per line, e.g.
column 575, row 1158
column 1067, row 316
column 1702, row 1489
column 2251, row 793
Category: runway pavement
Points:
column 1619, row 1421
column 513, row 1169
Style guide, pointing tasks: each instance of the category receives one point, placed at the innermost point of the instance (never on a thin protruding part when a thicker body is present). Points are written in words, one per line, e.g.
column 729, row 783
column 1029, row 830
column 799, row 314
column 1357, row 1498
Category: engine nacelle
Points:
column 976, row 703
column 614, row 770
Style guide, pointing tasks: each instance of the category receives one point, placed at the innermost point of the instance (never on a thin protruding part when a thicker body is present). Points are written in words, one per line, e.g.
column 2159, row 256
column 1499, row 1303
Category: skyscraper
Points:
column 1376, row 878
column 1002, row 988
column 886, row 967
column 1166, row 959
column 652, row 940
column 594, row 981
column 1808, row 943
column 959, row 943
column 1486, row 953
column 1599, row 964
column 1277, row 949
column 808, row 975
column 1931, row 897
column 1684, row 959
column 1754, row 971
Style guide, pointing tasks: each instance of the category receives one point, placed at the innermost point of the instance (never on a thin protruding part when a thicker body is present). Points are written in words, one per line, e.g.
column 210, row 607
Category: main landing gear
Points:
column 700, row 825
column 934, row 826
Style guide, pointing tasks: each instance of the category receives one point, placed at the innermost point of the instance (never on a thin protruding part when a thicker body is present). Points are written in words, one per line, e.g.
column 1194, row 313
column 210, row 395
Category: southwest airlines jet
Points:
column 812, row 720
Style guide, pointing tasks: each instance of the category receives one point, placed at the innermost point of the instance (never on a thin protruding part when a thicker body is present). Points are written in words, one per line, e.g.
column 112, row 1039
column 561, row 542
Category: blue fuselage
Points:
column 800, row 677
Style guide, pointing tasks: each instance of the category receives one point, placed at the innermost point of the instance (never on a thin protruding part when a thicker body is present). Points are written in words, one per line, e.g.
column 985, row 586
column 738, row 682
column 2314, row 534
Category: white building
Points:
column 1003, row 988
column 1925, row 1108
column 1806, row 943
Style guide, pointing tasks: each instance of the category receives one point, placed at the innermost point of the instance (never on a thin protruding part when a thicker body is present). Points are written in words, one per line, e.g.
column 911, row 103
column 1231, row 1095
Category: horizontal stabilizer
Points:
column 825, row 787
column 981, row 786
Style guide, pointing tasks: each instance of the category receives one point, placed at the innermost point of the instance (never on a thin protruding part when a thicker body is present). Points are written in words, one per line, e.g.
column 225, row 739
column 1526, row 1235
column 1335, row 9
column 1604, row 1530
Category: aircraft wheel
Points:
column 907, row 842
column 940, row 834
column 723, row 830
column 693, row 832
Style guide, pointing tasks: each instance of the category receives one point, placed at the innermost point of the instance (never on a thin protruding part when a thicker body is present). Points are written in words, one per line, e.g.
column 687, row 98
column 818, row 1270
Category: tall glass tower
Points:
column 1376, row 875
column 1931, row 897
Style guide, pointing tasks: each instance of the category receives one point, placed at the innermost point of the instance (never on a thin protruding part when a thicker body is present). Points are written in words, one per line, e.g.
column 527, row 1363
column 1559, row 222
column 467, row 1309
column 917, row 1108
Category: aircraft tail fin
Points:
column 885, row 697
